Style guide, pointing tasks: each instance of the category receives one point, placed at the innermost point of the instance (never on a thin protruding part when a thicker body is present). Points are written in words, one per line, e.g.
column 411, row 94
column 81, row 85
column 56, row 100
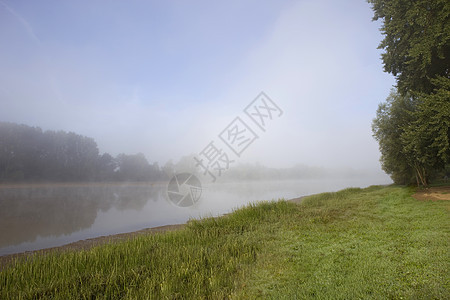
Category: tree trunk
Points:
column 421, row 174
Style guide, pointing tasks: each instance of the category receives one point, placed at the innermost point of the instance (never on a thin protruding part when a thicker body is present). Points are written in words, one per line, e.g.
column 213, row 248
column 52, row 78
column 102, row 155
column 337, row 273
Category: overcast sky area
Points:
column 166, row 77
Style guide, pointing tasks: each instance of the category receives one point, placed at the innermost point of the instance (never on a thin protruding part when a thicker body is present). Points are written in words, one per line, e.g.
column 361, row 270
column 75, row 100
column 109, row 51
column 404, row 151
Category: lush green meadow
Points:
column 373, row 243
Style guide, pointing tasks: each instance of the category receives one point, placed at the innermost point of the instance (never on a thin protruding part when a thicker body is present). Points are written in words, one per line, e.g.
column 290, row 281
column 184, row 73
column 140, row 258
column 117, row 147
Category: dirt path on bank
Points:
column 433, row 193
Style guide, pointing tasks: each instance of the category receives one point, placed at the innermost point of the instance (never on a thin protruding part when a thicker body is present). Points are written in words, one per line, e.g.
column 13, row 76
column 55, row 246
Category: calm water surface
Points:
column 46, row 216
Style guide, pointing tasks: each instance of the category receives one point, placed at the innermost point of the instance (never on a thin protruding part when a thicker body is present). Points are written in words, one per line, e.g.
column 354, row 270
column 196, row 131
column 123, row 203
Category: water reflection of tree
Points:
column 26, row 213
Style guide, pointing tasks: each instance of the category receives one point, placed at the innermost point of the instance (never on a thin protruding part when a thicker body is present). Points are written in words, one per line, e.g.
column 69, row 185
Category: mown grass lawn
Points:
column 374, row 243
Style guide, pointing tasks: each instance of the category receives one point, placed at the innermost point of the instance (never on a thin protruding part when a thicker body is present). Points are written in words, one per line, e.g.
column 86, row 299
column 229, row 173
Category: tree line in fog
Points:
column 29, row 154
column 33, row 155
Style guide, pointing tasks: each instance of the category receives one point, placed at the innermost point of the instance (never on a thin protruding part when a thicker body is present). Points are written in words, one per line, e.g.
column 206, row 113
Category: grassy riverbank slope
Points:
column 377, row 242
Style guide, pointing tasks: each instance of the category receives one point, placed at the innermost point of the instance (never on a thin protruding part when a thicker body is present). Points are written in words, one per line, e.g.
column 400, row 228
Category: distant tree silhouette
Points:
column 29, row 154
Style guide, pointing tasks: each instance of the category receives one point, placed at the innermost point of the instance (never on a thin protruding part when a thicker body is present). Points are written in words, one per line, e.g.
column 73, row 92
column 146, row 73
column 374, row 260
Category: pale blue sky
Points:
column 165, row 77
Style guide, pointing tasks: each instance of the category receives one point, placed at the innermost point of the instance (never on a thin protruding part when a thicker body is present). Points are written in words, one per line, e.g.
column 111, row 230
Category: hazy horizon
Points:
column 165, row 79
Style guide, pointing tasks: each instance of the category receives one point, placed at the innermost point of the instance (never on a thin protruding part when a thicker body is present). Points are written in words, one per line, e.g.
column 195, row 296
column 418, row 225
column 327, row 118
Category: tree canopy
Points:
column 388, row 131
column 413, row 125
column 416, row 41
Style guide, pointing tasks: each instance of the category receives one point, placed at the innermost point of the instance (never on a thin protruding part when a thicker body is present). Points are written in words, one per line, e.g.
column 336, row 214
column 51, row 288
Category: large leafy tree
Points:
column 388, row 130
column 426, row 139
column 415, row 139
column 416, row 41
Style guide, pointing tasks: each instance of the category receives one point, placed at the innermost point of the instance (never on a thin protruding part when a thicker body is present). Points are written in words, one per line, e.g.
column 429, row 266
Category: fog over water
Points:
column 167, row 79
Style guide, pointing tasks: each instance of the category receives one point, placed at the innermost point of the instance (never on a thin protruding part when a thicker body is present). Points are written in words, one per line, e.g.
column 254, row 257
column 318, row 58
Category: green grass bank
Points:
column 373, row 243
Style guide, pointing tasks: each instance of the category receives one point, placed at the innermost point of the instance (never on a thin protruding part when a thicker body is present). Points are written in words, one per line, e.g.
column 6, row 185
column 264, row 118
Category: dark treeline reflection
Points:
column 26, row 213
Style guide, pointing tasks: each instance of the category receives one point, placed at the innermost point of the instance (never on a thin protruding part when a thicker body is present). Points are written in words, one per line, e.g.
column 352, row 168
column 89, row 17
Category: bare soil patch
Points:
column 433, row 193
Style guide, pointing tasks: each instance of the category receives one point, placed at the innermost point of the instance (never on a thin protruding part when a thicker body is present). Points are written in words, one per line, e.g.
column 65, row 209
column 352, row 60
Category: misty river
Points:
column 41, row 216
